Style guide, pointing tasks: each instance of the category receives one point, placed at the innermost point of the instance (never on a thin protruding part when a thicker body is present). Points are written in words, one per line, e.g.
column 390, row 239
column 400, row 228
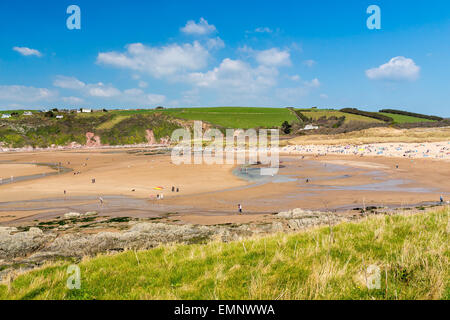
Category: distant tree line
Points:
column 412, row 114
column 373, row 115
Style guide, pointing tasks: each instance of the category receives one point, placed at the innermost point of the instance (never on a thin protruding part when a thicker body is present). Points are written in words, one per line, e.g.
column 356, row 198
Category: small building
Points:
column 6, row 116
column 310, row 127
column 59, row 117
column 86, row 110
column 27, row 113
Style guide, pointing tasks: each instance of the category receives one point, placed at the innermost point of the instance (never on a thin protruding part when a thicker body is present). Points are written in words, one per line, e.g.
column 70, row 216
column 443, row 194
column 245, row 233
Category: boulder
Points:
column 72, row 215
column 15, row 244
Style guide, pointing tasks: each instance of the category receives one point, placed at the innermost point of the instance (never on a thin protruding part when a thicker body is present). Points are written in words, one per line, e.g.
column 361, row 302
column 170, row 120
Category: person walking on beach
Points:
column 441, row 199
column 240, row 208
column 101, row 200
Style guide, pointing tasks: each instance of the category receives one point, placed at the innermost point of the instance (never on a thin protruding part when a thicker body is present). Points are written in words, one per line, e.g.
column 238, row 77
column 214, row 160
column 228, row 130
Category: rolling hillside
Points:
column 236, row 117
column 316, row 114
column 410, row 251
column 117, row 127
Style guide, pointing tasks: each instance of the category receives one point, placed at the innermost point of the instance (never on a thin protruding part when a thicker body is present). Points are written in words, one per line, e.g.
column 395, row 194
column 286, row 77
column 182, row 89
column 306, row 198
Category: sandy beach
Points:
column 129, row 180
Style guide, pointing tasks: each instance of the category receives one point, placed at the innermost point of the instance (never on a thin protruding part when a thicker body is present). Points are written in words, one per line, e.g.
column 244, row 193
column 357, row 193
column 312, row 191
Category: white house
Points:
column 6, row 116
column 59, row 117
column 86, row 110
column 27, row 113
column 310, row 127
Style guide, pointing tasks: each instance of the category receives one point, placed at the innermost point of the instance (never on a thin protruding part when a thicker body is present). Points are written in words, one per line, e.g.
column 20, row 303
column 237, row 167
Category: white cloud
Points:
column 324, row 96
column 158, row 61
column 73, row 100
column 68, row 83
column 200, row 28
column 138, row 96
column 309, row 63
column 274, row 57
column 235, row 75
column 295, row 77
column 215, row 43
column 101, row 90
column 27, row 51
column 142, row 84
column 106, row 92
column 24, row 94
column 398, row 68
column 263, row 30
column 294, row 95
column 314, row 83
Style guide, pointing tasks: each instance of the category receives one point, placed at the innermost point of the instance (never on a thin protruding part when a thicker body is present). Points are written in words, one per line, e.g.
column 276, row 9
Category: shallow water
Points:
column 292, row 171
column 254, row 175
column 385, row 184
column 58, row 170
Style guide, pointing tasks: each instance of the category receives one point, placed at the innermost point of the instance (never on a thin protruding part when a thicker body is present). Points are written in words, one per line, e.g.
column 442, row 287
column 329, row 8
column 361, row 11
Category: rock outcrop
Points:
column 92, row 140
column 35, row 246
column 150, row 136
column 298, row 219
column 15, row 244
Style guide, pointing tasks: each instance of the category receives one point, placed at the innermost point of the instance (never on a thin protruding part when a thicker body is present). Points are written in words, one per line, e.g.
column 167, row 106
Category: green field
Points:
column 235, row 117
column 398, row 118
column 318, row 113
column 411, row 253
column 225, row 117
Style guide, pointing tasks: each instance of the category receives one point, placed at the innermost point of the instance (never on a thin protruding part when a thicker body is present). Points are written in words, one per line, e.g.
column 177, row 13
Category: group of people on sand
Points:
column 161, row 196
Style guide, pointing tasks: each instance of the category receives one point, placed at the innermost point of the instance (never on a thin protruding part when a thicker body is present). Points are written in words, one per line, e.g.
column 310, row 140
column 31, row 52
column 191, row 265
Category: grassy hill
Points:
column 128, row 126
column 40, row 130
column 236, row 117
column 411, row 252
column 398, row 118
column 316, row 114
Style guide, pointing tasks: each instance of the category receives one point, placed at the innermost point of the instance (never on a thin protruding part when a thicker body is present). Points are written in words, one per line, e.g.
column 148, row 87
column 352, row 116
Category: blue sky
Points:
column 226, row 53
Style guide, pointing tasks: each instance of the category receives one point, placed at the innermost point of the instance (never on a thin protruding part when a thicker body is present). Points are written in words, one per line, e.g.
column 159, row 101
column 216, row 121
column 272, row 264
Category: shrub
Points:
column 286, row 127
column 411, row 114
column 373, row 115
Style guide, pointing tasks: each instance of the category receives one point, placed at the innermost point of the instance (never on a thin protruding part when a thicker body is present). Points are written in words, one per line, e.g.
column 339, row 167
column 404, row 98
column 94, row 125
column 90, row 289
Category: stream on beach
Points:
column 305, row 176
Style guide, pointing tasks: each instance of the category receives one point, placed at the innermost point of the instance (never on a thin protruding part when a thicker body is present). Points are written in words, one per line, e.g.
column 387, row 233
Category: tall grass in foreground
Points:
column 324, row 263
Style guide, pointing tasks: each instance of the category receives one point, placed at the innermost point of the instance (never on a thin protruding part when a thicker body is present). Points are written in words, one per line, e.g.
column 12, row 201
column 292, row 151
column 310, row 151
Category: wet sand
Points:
column 209, row 194
column 8, row 170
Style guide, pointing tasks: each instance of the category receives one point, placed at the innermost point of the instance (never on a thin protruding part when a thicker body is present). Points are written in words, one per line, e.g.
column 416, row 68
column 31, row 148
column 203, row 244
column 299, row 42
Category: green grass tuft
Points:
column 411, row 252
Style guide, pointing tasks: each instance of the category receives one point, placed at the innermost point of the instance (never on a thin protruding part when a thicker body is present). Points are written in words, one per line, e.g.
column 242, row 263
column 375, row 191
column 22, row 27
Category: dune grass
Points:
column 411, row 252
column 377, row 135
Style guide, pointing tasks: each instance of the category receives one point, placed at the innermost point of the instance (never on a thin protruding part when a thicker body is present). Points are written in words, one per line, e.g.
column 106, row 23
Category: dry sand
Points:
column 210, row 193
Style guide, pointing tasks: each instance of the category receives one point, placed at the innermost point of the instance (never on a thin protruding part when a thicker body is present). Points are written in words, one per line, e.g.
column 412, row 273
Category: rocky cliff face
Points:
column 92, row 140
